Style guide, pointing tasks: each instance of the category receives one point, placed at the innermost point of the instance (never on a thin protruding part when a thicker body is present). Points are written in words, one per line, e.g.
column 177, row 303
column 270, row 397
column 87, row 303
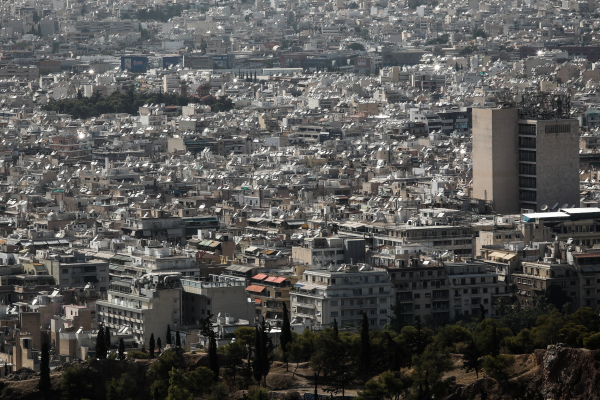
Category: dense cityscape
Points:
column 281, row 199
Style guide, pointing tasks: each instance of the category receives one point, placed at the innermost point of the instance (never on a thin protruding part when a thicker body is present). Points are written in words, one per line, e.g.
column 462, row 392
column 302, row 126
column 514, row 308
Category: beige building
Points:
column 524, row 164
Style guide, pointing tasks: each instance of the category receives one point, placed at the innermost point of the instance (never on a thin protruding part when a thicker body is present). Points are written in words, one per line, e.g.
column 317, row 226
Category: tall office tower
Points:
column 520, row 162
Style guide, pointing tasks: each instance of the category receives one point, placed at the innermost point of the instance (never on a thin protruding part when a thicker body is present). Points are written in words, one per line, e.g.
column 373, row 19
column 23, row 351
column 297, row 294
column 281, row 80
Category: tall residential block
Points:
column 524, row 163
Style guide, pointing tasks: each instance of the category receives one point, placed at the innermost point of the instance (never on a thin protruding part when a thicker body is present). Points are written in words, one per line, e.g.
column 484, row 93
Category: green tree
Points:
column 388, row 386
column 151, row 345
column 592, row 342
column 286, row 335
column 428, row 372
column 169, row 334
column 499, row 367
column 489, row 337
column 158, row 344
column 262, row 355
column 107, row 338
column 208, row 331
column 122, row 388
column 258, row 393
column 100, row 344
column 121, row 350
column 177, row 386
column 356, row 47
column 177, row 339
column 450, row 335
column 199, row 381
column 472, row 358
column 364, row 355
column 45, row 383
column 73, row 385
column 396, row 318
column 556, row 296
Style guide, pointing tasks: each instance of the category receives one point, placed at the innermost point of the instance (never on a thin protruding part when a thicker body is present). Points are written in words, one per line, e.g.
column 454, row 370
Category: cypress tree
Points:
column 213, row 357
column 364, row 353
column 286, row 335
column 107, row 337
column 100, row 344
column 169, row 335
column 265, row 349
column 151, row 345
column 45, row 383
column 257, row 364
column 336, row 333
column 121, row 354
column 158, row 344
column 177, row 339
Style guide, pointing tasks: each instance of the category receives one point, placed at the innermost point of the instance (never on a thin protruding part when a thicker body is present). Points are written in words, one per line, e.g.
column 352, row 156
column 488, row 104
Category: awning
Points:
column 255, row 288
column 174, row 232
column 275, row 279
column 259, row 276
column 258, row 301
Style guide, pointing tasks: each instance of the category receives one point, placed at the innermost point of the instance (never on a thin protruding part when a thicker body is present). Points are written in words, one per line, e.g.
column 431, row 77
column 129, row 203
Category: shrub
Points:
column 139, row 355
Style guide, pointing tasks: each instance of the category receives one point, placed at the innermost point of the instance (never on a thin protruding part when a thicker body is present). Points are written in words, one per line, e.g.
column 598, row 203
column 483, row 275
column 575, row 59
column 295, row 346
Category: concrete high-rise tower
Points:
column 521, row 163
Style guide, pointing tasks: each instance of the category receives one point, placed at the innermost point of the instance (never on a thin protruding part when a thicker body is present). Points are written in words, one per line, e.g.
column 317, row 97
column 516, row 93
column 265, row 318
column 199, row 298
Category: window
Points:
column 65, row 270
column 334, row 313
column 417, row 306
column 427, row 305
column 417, row 296
column 334, row 303
column 383, row 311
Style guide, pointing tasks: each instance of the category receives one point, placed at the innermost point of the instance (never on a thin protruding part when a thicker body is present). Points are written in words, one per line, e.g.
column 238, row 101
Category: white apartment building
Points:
column 146, row 305
column 343, row 293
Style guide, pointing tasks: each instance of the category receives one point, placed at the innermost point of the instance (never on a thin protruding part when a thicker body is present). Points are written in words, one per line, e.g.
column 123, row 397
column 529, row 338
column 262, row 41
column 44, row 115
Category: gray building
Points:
column 524, row 163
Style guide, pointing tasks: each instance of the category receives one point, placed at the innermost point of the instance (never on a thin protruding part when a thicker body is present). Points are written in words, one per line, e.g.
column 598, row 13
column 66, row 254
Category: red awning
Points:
column 255, row 288
column 260, row 277
column 275, row 279
column 258, row 301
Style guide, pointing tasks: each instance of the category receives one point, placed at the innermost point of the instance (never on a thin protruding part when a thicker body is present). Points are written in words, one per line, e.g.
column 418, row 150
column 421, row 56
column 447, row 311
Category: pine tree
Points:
column 107, row 337
column 169, row 335
column 100, row 344
column 151, row 345
column 45, row 383
column 471, row 358
column 177, row 339
column 364, row 353
column 158, row 344
column 121, row 354
column 286, row 335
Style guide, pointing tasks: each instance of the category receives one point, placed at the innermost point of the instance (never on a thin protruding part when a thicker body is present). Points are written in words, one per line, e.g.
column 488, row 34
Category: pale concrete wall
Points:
column 495, row 158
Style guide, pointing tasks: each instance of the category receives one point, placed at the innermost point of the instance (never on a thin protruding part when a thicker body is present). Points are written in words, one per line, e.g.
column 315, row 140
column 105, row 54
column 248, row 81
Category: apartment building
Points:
column 327, row 251
column 73, row 270
column 422, row 289
column 473, row 289
column 535, row 278
column 343, row 293
column 146, row 305
column 524, row 163
column 269, row 292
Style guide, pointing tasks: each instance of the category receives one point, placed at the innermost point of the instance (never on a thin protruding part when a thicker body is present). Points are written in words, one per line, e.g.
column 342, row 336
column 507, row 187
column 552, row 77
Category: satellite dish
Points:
column 544, row 207
column 519, row 98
